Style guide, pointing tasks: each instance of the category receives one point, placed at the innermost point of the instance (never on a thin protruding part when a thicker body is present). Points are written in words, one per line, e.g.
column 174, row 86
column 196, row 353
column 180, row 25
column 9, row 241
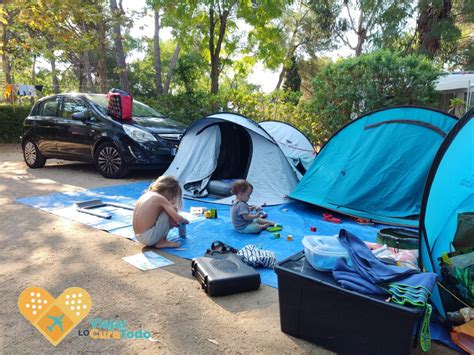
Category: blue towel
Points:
column 369, row 275
column 349, row 279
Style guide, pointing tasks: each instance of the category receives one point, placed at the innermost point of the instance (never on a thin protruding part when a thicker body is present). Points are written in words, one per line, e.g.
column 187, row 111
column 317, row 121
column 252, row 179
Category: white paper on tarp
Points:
column 191, row 217
column 148, row 260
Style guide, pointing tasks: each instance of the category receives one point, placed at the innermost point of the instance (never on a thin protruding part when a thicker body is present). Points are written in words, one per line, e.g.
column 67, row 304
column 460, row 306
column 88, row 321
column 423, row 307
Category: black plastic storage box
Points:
column 313, row 307
column 221, row 275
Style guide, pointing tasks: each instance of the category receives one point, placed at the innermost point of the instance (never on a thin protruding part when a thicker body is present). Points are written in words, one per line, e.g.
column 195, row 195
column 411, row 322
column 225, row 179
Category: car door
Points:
column 43, row 126
column 76, row 137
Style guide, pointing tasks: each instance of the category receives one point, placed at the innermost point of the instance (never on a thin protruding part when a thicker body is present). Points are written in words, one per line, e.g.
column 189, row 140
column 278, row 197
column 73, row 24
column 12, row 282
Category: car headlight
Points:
column 138, row 134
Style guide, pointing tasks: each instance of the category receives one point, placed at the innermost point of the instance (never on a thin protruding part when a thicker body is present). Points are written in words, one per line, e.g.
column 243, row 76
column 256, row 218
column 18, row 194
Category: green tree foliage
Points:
column 215, row 24
column 307, row 27
column 351, row 87
column 375, row 23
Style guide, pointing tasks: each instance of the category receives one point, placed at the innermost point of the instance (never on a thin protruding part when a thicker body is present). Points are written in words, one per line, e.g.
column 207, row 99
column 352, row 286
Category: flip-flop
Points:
column 329, row 218
column 364, row 221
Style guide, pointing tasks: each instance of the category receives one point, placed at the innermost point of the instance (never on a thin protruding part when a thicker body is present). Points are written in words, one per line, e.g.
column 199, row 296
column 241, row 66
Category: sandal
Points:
column 329, row 218
column 218, row 247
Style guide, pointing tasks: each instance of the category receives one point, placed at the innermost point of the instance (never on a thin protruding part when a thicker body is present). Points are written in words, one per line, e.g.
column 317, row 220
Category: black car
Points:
column 77, row 127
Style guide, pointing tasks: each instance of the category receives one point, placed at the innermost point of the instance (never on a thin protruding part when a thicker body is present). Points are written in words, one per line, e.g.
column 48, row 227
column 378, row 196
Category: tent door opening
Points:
column 235, row 152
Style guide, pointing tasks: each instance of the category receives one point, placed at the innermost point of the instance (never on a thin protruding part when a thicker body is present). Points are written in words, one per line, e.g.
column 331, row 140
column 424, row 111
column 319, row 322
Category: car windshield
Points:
column 139, row 109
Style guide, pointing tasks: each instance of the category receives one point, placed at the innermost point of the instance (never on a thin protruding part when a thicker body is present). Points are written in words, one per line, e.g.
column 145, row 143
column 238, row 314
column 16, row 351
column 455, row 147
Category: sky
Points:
column 144, row 26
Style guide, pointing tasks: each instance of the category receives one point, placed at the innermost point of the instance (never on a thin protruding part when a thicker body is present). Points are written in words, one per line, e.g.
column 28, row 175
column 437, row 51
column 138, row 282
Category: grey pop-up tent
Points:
column 293, row 143
column 228, row 146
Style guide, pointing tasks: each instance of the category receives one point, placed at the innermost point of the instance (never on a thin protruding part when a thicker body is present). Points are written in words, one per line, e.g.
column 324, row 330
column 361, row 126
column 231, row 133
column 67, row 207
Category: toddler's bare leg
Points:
column 265, row 222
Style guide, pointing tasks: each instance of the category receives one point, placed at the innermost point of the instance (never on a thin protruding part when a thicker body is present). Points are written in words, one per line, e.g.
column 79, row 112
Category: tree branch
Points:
column 346, row 4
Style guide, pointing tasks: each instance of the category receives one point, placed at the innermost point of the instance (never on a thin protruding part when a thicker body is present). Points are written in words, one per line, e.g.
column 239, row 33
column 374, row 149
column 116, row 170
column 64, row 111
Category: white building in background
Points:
column 456, row 85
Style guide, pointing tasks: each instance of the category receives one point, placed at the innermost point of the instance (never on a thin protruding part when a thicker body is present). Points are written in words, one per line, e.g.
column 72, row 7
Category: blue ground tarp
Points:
column 296, row 218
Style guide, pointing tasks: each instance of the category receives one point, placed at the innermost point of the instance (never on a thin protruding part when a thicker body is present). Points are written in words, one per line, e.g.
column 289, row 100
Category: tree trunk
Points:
column 87, row 72
column 429, row 34
column 360, row 42
column 117, row 35
column 361, row 35
column 280, row 77
column 33, row 76
column 5, row 61
column 53, row 68
column 157, row 55
column 215, row 51
column 102, row 64
column 55, row 77
column 82, row 76
column 33, row 70
column 87, row 65
column 174, row 60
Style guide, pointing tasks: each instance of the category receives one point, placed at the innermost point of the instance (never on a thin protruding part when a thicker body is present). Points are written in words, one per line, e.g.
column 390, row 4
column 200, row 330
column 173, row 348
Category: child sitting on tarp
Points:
column 156, row 212
column 240, row 216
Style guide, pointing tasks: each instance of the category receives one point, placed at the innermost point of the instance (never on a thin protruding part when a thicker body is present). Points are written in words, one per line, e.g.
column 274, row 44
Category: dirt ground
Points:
column 38, row 248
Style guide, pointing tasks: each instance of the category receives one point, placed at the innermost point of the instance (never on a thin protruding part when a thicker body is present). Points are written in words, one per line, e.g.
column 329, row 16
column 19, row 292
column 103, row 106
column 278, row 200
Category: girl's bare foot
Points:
column 165, row 243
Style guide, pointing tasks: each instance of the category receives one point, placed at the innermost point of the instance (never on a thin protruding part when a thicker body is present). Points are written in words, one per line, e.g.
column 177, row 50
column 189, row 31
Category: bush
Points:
column 351, row 87
column 187, row 107
column 278, row 106
column 11, row 122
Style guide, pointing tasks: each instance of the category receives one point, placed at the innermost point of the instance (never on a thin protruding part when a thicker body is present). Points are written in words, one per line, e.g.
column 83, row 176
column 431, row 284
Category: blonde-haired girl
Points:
column 156, row 212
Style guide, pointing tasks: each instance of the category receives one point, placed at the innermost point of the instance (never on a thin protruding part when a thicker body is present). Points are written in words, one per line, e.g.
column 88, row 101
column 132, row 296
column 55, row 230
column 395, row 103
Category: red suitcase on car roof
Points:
column 120, row 104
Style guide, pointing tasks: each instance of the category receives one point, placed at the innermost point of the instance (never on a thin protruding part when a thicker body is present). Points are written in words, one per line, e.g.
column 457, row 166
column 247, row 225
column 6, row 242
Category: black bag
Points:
column 224, row 274
column 464, row 237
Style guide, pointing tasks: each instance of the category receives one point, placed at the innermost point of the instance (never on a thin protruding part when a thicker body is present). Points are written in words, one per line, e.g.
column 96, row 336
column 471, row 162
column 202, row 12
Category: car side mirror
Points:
column 81, row 116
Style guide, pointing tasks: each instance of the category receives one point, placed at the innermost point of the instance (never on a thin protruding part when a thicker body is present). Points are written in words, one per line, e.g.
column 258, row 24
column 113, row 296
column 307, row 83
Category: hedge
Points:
column 11, row 122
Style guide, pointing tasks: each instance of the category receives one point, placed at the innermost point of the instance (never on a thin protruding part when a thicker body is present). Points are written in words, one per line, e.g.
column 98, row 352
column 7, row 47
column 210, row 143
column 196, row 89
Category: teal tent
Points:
column 376, row 166
column 449, row 191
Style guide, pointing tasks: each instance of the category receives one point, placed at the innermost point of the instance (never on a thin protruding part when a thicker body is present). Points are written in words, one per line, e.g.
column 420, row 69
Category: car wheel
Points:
column 109, row 161
column 32, row 155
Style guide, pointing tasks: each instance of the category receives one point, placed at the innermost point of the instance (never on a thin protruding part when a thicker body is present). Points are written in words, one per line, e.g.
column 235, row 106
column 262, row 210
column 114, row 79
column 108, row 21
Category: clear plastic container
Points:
column 322, row 251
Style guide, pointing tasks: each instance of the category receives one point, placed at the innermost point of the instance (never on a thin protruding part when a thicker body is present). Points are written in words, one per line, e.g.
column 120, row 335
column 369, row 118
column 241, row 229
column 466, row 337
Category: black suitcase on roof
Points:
column 221, row 275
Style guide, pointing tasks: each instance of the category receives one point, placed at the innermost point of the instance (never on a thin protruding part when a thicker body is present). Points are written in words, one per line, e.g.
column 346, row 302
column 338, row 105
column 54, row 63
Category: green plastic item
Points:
column 275, row 228
column 398, row 238
column 425, row 335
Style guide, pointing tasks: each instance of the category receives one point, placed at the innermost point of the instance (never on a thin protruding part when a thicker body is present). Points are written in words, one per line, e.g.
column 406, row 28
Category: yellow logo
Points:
column 54, row 318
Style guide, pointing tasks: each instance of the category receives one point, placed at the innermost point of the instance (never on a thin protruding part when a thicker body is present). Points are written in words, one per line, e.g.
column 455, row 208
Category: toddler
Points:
column 242, row 220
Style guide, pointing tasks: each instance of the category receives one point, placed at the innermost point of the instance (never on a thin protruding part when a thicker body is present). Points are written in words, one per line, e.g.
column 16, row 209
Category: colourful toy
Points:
column 213, row 213
column 276, row 235
column 263, row 214
column 312, row 229
column 289, row 237
column 275, row 228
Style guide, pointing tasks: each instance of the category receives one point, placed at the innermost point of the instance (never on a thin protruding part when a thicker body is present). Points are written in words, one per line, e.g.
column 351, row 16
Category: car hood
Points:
column 159, row 124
